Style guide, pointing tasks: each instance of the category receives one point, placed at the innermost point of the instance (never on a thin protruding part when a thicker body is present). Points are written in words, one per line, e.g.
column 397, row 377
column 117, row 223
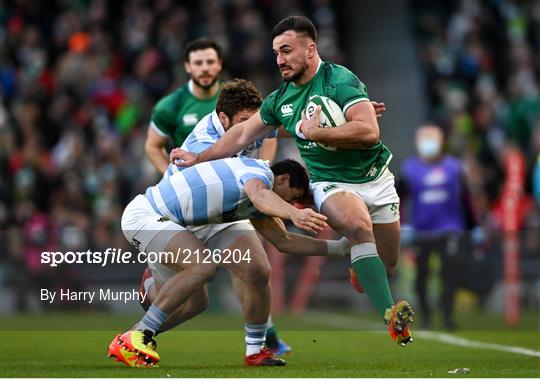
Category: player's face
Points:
column 238, row 117
column 242, row 116
column 203, row 67
column 292, row 51
column 285, row 191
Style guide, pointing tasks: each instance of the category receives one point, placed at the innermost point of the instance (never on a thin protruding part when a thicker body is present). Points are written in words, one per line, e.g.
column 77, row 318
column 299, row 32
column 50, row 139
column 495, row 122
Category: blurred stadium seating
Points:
column 78, row 80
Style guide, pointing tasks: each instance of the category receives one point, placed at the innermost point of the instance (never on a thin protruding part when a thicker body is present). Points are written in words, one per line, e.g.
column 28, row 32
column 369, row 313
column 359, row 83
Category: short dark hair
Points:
column 299, row 24
column 237, row 95
column 298, row 176
column 201, row 44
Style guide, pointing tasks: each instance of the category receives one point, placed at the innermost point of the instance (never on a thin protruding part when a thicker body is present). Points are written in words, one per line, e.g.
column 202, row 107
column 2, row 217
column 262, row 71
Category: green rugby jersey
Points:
column 284, row 107
column 176, row 114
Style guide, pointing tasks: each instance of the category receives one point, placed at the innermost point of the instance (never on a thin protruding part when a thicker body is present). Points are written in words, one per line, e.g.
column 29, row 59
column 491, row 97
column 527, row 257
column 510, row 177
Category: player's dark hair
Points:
column 237, row 95
column 201, row 44
column 300, row 24
column 298, row 176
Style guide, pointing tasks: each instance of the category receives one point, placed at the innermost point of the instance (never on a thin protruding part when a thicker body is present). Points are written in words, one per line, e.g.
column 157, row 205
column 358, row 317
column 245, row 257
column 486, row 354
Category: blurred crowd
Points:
column 481, row 61
column 78, row 80
column 482, row 69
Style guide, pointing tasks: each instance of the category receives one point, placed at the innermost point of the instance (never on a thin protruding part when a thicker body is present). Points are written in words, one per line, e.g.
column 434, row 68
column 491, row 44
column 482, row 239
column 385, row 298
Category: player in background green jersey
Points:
column 351, row 183
column 177, row 114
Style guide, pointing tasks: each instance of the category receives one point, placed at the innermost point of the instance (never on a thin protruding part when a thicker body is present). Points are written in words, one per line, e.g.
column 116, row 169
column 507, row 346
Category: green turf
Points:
column 319, row 350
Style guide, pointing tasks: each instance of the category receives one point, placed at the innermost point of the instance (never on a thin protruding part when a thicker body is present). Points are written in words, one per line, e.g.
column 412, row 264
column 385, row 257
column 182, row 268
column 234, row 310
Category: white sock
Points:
column 270, row 323
column 255, row 337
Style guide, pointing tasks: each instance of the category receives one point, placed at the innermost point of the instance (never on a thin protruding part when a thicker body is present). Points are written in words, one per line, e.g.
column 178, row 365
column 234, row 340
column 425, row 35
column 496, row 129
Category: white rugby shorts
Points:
column 379, row 195
column 148, row 231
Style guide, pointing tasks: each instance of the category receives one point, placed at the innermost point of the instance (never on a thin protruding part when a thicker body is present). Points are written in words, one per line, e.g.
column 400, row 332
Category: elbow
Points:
column 282, row 244
column 257, row 202
column 148, row 148
column 372, row 137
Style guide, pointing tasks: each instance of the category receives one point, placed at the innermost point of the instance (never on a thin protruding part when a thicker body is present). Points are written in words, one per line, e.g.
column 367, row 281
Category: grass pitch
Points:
column 213, row 347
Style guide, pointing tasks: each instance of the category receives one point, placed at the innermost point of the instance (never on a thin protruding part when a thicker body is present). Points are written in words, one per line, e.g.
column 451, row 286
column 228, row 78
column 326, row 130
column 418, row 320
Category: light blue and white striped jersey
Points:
column 210, row 192
column 206, row 133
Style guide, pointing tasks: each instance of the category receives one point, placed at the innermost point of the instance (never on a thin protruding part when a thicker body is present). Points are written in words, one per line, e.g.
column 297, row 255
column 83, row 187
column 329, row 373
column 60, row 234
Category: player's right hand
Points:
column 309, row 220
column 180, row 157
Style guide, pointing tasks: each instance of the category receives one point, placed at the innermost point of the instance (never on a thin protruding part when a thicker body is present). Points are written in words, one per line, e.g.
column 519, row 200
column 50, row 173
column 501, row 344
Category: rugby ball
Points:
column 331, row 114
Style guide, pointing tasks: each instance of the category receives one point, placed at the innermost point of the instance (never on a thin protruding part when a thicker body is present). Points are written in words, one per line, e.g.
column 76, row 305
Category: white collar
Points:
column 319, row 65
column 217, row 124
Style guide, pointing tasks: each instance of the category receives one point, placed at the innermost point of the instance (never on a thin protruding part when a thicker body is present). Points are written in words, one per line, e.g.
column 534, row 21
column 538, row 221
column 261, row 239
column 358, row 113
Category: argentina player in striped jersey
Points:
column 238, row 100
column 213, row 192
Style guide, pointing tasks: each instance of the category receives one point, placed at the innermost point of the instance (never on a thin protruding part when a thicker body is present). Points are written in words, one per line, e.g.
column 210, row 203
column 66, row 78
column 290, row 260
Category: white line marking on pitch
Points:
column 343, row 321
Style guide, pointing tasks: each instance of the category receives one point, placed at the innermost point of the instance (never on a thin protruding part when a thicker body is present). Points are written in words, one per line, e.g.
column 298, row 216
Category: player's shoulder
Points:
column 268, row 110
column 275, row 95
column 253, row 162
column 173, row 99
column 339, row 74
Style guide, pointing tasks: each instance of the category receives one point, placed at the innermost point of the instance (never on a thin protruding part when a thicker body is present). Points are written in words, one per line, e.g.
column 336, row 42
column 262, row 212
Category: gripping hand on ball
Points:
column 310, row 127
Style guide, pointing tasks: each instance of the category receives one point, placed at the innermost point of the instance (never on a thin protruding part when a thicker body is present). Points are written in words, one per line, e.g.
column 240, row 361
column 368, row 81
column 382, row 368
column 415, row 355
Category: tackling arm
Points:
column 235, row 139
column 274, row 231
column 269, row 203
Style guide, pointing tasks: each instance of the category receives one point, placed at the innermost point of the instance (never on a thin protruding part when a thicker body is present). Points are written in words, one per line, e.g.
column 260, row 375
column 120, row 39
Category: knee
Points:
column 203, row 272
column 258, row 275
column 359, row 230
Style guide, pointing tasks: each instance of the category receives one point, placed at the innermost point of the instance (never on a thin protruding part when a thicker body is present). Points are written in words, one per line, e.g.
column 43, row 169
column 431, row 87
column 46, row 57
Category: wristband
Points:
column 337, row 247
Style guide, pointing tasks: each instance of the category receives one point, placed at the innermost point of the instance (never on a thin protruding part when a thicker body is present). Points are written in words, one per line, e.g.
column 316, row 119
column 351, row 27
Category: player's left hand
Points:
column 180, row 157
column 310, row 126
column 308, row 220
column 379, row 108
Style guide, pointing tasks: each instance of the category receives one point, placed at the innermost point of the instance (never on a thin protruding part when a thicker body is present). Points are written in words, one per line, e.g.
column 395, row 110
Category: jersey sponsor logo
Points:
column 372, row 171
column 286, row 110
column 310, row 145
column 190, row 119
column 326, row 189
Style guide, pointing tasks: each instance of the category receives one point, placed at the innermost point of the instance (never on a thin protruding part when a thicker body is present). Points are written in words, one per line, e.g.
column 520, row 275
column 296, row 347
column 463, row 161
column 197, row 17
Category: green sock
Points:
column 371, row 273
column 271, row 334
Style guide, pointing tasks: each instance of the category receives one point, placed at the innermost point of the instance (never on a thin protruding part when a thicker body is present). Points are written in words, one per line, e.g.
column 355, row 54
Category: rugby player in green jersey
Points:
column 351, row 185
column 175, row 116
